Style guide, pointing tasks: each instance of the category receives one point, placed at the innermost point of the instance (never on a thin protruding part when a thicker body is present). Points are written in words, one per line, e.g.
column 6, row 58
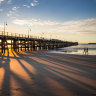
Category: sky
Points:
column 69, row 20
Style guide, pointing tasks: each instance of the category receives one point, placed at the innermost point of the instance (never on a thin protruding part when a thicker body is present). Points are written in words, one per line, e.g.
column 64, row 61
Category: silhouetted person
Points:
column 86, row 50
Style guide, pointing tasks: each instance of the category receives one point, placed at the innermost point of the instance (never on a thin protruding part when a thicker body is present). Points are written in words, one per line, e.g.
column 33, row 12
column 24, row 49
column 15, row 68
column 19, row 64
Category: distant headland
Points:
column 91, row 43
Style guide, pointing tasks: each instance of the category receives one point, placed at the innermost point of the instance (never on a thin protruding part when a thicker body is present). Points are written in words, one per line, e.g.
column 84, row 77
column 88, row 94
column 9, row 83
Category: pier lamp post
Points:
column 50, row 35
column 29, row 30
column 5, row 24
column 42, row 34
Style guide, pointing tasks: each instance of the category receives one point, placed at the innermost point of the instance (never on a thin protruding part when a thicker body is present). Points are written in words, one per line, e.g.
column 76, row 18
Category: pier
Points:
column 23, row 42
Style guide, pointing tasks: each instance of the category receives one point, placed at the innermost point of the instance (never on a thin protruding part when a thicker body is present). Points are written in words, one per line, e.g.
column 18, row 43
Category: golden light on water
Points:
column 2, row 71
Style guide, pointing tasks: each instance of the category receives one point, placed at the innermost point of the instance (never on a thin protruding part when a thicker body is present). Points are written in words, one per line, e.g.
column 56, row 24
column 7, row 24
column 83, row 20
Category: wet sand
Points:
column 47, row 74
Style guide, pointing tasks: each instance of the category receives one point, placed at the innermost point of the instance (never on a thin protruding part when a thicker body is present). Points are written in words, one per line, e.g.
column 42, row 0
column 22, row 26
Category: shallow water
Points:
column 79, row 49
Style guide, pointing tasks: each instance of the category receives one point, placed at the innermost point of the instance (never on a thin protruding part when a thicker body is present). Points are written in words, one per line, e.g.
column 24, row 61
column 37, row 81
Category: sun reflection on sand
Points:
column 2, row 72
column 16, row 67
column 29, row 67
column 14, row 87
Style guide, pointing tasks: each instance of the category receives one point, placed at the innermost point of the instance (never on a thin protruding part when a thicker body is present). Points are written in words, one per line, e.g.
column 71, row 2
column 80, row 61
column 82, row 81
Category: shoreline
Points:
column 69, row 53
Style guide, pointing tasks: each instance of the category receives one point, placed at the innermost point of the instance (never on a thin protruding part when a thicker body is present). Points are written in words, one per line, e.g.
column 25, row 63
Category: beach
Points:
column 43, row 73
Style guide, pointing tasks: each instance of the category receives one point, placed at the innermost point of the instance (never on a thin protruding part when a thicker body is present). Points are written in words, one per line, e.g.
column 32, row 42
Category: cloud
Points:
column 10, row 13
column 15, row 8
column 35, row 22
column 72, row 29
column 76, row 25
column 34, row 3
column 8, row 1
column 1, row 1
column 13, row 11
column 26, row 6
column 31, row 3
column 87, row 25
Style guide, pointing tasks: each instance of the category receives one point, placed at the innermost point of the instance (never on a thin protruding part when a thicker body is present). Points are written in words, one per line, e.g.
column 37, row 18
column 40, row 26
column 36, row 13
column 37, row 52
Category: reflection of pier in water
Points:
column 28, row 43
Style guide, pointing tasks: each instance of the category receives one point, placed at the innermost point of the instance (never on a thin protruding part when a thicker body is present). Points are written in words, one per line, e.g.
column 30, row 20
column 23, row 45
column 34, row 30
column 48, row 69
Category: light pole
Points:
column 42, row 34
column 29, row 30
column 5, row 24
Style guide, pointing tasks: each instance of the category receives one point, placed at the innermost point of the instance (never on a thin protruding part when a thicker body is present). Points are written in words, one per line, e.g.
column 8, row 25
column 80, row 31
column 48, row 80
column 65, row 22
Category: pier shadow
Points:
column 40, row 62
column 71, row 61
column 43, row 75
column 5, row 70
column 24, row 88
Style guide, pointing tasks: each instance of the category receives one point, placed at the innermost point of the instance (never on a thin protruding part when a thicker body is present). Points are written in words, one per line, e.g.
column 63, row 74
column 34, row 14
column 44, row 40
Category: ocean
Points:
column 79, row 49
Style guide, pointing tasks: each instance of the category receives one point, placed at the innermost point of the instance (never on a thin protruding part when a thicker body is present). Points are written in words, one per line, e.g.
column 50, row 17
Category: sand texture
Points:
column 47, row 74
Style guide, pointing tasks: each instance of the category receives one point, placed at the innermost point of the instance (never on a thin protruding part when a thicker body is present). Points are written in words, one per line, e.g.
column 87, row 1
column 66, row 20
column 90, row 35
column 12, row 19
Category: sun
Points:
column 8, row 41
column 0, row 40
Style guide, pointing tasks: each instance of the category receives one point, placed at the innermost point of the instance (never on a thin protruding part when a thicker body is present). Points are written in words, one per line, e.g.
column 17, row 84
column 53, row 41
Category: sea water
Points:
column 79, row 49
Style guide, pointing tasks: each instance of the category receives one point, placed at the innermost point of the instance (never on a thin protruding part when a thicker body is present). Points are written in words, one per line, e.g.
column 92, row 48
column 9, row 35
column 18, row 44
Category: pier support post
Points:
column 11, row 44
column 2, row 45
column 25, row 44
column 33, row 44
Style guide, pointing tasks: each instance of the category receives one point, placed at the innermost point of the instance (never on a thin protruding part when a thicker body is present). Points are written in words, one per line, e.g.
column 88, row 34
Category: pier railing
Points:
column 9, row 34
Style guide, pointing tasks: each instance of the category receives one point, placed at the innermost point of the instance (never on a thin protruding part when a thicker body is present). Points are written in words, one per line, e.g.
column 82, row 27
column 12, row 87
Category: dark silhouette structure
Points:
column 28, row 43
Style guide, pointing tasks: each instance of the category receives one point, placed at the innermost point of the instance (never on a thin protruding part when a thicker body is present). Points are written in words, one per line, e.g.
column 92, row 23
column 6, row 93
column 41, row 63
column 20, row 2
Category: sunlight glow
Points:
column 9, row 41
column 16, row 64
column 0, row 40
column 29, row 67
